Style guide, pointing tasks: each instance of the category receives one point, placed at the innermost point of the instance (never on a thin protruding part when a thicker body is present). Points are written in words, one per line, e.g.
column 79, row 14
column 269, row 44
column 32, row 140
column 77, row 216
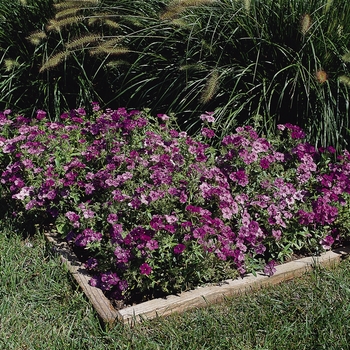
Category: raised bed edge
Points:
column 198, row 297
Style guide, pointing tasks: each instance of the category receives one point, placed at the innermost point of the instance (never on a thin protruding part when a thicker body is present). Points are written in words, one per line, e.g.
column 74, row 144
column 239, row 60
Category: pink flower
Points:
column 208, row 116
column 152, row 244
column 163, row 117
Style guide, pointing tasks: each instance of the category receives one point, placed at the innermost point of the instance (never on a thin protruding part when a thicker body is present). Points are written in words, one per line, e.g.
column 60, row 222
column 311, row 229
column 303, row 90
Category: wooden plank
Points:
column 199, row 297
column 208, row 295
column 101, row 304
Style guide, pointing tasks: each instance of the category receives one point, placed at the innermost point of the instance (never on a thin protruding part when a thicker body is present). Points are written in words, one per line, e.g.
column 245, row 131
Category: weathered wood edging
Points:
column 198, row 297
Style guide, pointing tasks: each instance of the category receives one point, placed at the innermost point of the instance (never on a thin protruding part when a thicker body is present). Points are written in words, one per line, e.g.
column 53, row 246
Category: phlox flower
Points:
column 88, row 213
column 95, row 106
column 108, row 280
column 171, row 218
column 264, row 163
column 277, row 234
column 260, row 145
column 248, row 157
column 112, row 218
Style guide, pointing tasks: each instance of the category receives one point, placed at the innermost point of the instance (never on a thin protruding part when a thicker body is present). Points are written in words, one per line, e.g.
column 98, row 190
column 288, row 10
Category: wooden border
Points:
column 198, row 297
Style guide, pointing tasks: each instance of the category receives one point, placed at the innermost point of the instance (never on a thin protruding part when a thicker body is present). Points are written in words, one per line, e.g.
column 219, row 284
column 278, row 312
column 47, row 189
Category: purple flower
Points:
column 145, row 269
column 122, row 255
column 240, row 177
column 277, row 234
column 80, row 111
column 112, row 218
column 87, row 236
column 108, row 280
column 91, row 264
column 327, row 242
column 269, row 269
column 178, row 249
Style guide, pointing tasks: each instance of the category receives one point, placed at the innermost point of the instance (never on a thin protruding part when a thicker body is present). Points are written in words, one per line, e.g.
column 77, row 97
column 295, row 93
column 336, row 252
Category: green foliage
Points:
column 21, row 85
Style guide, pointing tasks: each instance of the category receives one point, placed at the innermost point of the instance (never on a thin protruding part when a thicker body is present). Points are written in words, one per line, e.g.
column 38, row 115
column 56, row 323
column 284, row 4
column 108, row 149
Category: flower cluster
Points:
column 156, row 210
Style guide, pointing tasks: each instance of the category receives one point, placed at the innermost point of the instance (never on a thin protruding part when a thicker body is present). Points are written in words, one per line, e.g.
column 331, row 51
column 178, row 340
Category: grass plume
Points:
column 210, row 88
column 54, row 61
column 176, row 7
column 57, row 25
column 80, row 42
column 37, row 37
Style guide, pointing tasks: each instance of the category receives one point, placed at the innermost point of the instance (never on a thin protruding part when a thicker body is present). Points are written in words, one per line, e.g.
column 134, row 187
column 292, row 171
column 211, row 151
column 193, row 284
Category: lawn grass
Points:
column 42, row 308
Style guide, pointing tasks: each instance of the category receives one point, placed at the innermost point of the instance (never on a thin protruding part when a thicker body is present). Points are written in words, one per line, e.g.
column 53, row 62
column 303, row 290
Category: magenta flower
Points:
column 145, row 269
column 178, row 249
column 40, row 115
column 209, row 133
column 264, row 163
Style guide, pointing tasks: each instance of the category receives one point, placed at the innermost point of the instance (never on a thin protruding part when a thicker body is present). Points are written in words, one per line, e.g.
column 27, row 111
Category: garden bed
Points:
column 198, row 297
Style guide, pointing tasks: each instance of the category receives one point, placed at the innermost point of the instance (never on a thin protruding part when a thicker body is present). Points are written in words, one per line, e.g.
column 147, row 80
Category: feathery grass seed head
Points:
column 58, row 25
column 176, row 7
column 87, row 39
column 305, row 24
column 321, row 76
column 102, row 50
column 210, row 87
column 54, row 61
column 76, row 3
column 344, row 79
column 36, row 38
column 346, row 57
column 10, row 64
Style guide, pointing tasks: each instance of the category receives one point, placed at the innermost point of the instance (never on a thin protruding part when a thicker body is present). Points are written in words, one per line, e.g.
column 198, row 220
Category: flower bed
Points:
column 152, row 211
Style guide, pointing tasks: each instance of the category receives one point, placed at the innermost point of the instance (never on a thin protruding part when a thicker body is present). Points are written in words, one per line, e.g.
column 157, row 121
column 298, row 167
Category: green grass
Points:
column 42, row 308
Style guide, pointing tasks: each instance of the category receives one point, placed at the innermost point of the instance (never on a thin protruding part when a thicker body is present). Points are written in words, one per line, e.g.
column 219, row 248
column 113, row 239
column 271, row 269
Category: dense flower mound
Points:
column 153, row 210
